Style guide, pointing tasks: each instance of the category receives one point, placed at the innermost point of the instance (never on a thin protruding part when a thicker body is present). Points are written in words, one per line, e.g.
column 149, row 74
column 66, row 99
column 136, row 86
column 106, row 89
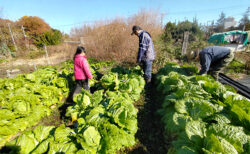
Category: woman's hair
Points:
column 79, row 50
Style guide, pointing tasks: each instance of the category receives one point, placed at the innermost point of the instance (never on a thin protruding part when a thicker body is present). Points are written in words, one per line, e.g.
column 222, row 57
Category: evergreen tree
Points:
column 245, row 20
column 220, row 23
column 169, row 32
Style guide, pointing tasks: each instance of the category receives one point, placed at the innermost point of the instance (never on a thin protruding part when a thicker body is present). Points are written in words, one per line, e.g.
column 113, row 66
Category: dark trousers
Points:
column 81, row 84
column 218, row 65
column 147, row 69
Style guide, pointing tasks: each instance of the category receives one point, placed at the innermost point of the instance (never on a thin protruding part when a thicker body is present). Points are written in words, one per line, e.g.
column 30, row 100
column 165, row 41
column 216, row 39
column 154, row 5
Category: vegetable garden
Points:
column 199, row 115
column 107, row 119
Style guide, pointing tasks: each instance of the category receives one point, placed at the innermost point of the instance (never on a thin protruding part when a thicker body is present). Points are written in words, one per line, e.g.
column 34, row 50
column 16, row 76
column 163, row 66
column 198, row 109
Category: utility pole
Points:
column 12, row 37
column 25, row 37
column 23, row 31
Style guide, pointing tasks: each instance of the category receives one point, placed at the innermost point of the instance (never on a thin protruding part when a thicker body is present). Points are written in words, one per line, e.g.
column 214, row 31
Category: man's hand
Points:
column 139, row 63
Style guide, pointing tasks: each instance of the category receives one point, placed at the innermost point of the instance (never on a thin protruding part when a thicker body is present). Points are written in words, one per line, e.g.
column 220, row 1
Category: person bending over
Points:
column 213, row 59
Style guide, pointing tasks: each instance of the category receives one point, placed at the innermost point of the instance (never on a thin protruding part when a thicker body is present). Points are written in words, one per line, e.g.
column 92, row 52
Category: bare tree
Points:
column 245, row 19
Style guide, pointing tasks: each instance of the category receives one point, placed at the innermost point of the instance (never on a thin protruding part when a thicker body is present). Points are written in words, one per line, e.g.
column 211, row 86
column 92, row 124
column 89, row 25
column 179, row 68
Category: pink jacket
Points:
column 81, row 68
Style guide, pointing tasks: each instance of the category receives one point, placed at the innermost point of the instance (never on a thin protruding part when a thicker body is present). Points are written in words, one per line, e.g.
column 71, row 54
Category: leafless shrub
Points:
column 66, row 50
column 111, row 39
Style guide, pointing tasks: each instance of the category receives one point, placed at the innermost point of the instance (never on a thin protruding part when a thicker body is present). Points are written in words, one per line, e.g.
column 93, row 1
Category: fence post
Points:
column 8, row 73
column 46, row 53
column 12, row 37
column 34, row 65
column 185, row 43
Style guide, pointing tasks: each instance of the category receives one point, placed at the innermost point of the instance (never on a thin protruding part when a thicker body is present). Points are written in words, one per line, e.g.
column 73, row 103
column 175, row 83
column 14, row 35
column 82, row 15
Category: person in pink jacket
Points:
column 81, row 70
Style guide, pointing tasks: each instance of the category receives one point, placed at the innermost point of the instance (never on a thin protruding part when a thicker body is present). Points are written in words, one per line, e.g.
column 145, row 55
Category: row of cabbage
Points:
column 106, row 120
column 201, row 115
column 27, row 98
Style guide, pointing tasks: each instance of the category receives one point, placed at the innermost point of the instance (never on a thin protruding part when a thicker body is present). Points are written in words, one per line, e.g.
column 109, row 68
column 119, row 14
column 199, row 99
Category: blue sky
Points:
column 65, row 14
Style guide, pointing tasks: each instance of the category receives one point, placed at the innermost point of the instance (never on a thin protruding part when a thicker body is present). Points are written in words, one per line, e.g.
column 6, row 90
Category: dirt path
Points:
column 241, row 78
column 53, row 59
column 151, row 131
column 245, row 80
column 29, row 65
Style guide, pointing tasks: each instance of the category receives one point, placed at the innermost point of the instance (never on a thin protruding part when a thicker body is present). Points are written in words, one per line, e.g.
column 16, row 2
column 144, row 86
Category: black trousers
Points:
column 219, row 65
column 81, row 84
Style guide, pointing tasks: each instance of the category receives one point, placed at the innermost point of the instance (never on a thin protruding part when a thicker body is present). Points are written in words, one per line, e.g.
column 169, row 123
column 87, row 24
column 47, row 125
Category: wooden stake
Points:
column 47, row 56
column 185, row 43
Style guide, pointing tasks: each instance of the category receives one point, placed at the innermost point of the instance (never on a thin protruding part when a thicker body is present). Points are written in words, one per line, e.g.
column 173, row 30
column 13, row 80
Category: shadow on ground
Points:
column 150, row 129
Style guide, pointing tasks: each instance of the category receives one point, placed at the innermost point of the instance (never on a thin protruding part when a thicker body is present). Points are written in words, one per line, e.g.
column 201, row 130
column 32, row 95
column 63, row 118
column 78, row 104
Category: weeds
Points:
column 236, row 67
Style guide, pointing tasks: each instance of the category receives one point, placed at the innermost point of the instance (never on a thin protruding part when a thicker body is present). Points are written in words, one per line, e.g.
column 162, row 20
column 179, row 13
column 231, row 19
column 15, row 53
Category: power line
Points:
column 79, row 23
column 184, row 12
column 237, row 14
column 206, row 10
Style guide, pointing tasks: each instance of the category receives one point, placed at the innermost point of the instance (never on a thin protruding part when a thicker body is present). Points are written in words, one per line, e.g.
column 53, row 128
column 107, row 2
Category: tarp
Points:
column 231, row 37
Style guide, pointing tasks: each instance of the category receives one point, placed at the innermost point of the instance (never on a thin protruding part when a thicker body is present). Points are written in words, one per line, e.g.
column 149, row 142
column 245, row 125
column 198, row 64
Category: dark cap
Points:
column 135, row 28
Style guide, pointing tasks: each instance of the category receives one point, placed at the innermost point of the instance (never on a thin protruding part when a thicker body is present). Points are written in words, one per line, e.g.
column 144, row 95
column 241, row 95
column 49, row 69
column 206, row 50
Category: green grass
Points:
column 3, row 60
column 35, row 54
column 236, row 67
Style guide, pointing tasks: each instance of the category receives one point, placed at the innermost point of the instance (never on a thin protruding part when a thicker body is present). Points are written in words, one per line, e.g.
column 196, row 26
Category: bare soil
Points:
column 242, row 56
column 29, row 65
column 150, row 134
